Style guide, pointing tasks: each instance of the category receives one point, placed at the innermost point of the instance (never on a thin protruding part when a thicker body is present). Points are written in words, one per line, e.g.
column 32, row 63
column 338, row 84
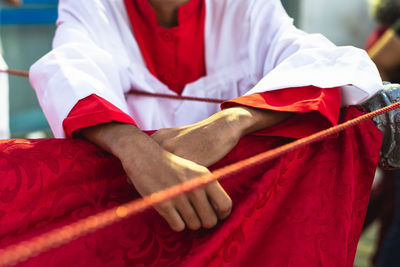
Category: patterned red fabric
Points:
column 303, row 209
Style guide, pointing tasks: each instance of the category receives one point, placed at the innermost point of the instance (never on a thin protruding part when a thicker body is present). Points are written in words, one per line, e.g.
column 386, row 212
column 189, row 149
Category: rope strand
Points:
column 136, row 92
column 16, row 72
column 179, row 97
column 15, row 254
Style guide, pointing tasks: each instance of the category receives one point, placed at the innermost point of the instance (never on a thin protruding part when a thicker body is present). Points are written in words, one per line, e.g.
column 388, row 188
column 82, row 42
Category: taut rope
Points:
column 136, row 92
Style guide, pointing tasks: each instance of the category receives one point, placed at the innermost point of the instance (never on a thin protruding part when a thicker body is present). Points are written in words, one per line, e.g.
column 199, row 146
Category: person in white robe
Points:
column 251, row 46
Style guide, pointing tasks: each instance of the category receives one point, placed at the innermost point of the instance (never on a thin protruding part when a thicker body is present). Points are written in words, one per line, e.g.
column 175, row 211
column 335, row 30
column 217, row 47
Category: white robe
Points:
column 251, row 46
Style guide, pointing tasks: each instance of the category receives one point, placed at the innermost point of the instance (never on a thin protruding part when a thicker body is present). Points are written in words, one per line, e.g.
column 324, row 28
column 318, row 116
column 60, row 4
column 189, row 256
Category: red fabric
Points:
column 175, row 55
column 90, row 111
column 317, row 109
column 303, row 209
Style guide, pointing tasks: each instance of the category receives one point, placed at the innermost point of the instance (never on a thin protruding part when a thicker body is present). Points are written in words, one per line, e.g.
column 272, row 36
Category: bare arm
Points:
column 208, row 141
column 386, row 53
column 151, row 169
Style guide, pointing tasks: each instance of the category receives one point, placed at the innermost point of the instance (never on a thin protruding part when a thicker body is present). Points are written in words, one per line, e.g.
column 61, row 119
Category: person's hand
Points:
column 208, row 141
column 200, row 208
column 151, row 169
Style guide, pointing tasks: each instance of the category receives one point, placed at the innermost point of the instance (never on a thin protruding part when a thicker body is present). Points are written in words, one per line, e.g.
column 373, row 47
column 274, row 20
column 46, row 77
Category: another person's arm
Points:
column 386, row 52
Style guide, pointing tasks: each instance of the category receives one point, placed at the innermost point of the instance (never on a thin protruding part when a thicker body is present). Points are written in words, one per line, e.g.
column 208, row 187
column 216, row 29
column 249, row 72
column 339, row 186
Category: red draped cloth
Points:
column 305, row 208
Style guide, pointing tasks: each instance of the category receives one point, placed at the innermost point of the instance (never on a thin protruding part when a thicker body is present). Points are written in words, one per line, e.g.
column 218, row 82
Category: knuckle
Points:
column 210, row 222
column 197, row 196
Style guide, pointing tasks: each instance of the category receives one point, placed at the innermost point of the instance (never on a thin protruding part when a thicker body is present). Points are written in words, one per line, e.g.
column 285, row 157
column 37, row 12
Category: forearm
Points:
column 244, row 120
column 386, row 53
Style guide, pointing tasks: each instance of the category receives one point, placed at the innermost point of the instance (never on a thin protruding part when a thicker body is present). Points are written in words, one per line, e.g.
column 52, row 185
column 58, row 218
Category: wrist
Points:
column 124, row 141
column 239, row 120
column 245, row 120
column 132, row 146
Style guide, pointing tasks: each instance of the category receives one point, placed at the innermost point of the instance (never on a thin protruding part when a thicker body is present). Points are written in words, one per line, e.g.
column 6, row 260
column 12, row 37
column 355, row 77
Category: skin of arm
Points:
column 386, row 53
column 183, row 154
column 208, row 141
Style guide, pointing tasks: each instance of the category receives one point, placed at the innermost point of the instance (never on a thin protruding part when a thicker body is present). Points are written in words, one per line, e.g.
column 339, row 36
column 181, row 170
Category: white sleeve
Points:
column 76, row 67
column 294, row 58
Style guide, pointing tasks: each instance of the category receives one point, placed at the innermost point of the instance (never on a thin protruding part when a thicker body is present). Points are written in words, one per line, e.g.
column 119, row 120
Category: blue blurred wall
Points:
column 26, row 33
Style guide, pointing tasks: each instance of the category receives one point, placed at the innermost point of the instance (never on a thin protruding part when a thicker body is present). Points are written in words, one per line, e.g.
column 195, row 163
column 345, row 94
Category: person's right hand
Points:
column 200, row 208
column 151, row 169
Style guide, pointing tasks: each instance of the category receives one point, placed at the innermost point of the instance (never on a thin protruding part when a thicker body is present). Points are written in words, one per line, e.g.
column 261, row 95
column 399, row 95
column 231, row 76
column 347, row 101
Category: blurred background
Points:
column 26, row 32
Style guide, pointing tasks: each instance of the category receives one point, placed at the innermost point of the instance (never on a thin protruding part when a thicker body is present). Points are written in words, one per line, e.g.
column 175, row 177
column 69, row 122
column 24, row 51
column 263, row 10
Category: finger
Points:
column 203, row 208
column 220, row 200
column 171, row 215
column 187, row 212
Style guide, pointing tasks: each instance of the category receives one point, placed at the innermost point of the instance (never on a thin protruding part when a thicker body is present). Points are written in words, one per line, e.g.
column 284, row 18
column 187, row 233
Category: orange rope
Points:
column 16, row 72
column 179, row 97
column 21, row 252
column 135, row 92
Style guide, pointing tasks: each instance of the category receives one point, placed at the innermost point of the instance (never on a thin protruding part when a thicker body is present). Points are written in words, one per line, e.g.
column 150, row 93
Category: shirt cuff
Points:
column 316, row 109
column 91, row 111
